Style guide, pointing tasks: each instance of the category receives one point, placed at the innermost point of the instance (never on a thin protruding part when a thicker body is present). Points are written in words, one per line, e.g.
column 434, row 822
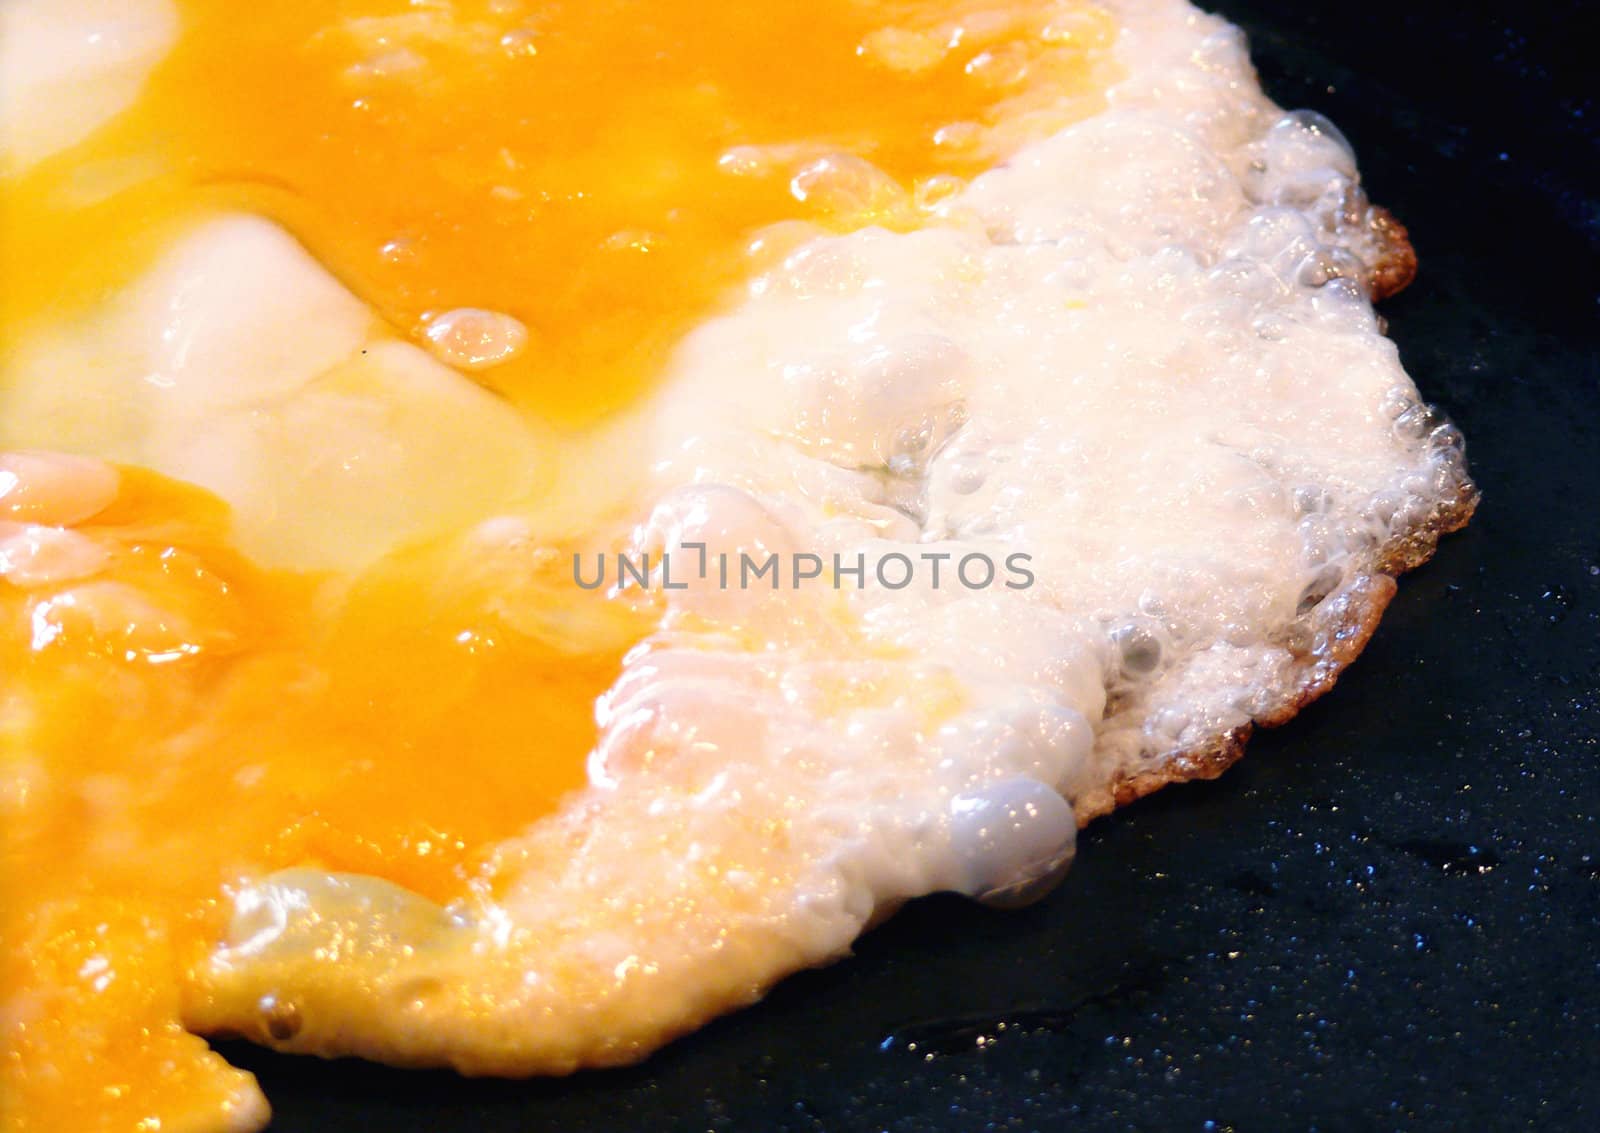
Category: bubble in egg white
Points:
column 1011, row 840
column 1281, row 239
column 1304, row 159
column 1139, row 644
column 847, row 185
column 1417, row 422
column 470, row 338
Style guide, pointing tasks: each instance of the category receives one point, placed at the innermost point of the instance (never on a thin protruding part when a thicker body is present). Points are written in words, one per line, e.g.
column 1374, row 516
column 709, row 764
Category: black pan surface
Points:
column 1386, row 917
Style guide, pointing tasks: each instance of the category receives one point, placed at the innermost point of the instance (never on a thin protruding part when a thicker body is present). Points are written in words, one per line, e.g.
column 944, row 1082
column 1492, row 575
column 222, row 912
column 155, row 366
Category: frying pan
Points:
column 1387, row 916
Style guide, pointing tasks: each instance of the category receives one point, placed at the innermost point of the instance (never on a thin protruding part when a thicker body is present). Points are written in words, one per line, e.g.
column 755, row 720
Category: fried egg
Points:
column 522, row 525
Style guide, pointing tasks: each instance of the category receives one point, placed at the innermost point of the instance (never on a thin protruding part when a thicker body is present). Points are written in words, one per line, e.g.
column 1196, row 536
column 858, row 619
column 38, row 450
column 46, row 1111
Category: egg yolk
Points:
column 174, row 718
column 593, row 170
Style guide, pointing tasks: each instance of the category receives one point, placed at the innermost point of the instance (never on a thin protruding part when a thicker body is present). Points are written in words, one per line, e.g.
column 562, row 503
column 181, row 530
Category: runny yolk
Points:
column 175, row 718
column 593, row 170
column 179, row 719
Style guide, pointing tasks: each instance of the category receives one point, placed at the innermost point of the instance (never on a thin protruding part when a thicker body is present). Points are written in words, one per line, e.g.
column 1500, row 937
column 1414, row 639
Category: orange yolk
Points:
column 180, row 718
column 185, row 719
column 584, row 168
